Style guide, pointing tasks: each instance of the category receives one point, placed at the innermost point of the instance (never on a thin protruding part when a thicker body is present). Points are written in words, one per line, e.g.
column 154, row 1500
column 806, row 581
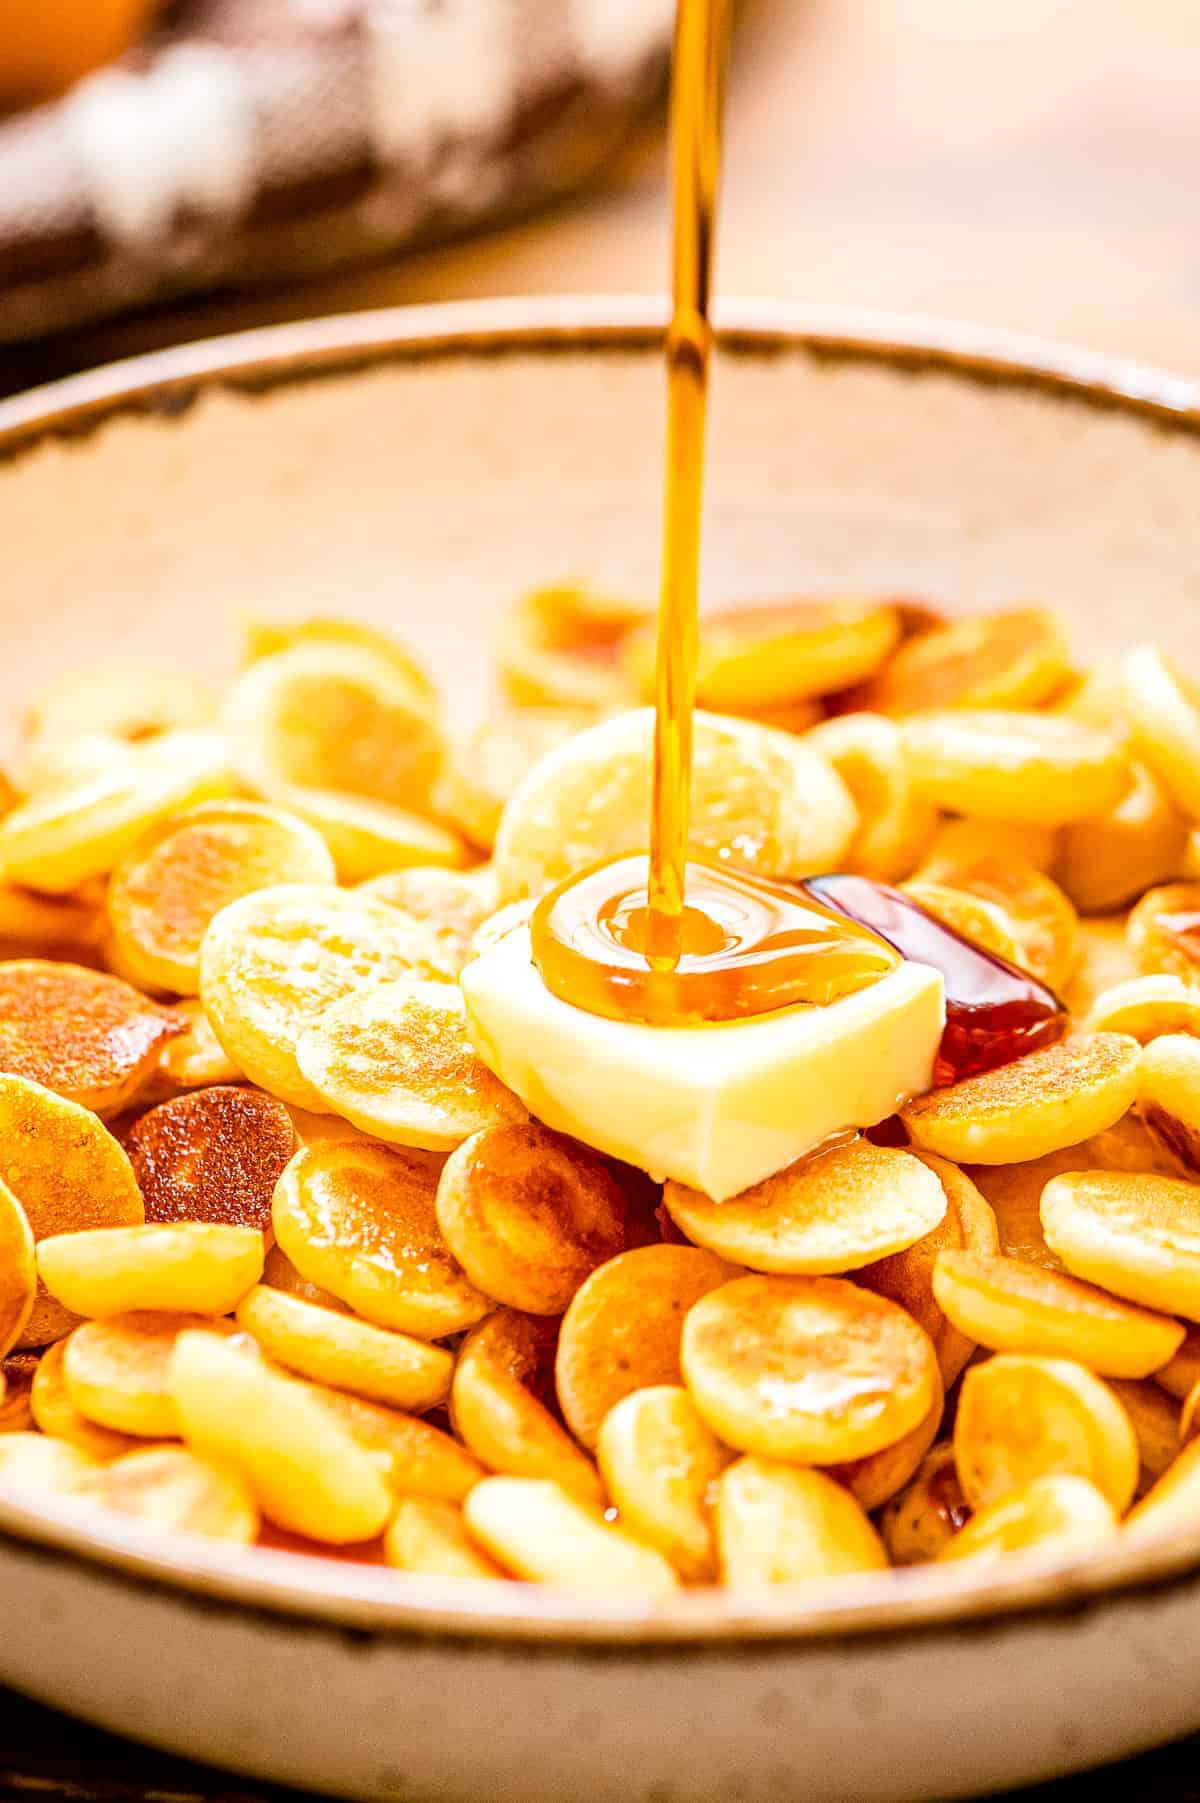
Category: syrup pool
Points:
column 995, row 1012
column 747, row 946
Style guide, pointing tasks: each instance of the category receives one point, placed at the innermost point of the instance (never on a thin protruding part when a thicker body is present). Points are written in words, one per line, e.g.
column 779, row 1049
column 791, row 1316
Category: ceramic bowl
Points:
column 417, row 469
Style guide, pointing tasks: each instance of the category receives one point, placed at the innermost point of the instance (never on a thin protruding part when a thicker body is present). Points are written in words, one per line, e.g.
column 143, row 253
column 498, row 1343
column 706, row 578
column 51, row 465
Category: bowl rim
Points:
column 325, row 1593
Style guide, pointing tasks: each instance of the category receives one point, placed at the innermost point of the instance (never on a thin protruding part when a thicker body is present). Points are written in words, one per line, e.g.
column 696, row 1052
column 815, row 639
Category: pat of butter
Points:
column 717, row 1107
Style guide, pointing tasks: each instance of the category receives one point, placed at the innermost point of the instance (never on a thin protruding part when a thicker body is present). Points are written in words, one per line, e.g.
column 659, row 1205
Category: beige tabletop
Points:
column 1025, row 163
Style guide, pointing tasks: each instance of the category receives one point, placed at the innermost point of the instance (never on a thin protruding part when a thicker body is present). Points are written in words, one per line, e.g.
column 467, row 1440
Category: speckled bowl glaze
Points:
column 416, row 469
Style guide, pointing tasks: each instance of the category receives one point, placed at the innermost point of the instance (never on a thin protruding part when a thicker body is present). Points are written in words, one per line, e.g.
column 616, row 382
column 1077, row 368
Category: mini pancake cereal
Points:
column 503, row 1384
column 272, row 963
column 68, row 1174
column 360, row 1220
column 395, row 1060
column 823, row 1201
column 813, row 1370
column 87, row 1036
column 166, row 891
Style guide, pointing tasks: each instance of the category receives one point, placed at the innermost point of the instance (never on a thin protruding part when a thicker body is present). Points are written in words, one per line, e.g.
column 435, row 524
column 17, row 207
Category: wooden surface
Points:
column 1028, row 165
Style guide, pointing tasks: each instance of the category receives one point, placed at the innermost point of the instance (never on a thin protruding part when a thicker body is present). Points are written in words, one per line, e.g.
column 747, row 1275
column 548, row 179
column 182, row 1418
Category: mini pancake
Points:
column 333, row 1348
column 55, row 1413
column 333, row 716
column 115, row 1371
column 30, row 1461
column 660, row 1462
column 166, row 891
column 1014, row 659
column 993, row 764
column 64, row 763
column 16, row 1382
column 984, row 923
column 1156, row 1422
column 623, row 1328
column 491, row 763
column 1059, row 1514
column 57, row 926
column 169, row 1488
column 895, row 824
column 1169, row 1094
column 414, row 1457
column 961, row 844
column 360, row 1221
column 1134, row 1233
column 777, row 1525
column 501, row 1400
column 1104, row 960
column 193, row 1060
column 925, row 1515
column 431, row 1538
column 1170, row 1506
column 127, row 701
column 907, row 1277
column 1106, row 862
column 453, row 904
column 263, row 638
column 1038, row 914
column 561, row 647
column 1181, row 1376
column 310, row 1128
column 64, row 836
column 761, row 799
column 1015, row 1190
column 769, row 654
column 1189, row 1419
column 198, row 1267
column 873, row 1480
column 1014, row 1194
column 306, row 1471
column 1163, row 711
column 85, row 1035
column 1095, row 696
column 212, row 1155
column 1164, row 931
column 18, row 1271
column 281, row 1274
column 395, row 1060
column 1035, row 1105
column 1146, row 1007
column 68, row 1172
column 368, row 838
column 810, row 1369
column 1010, row 1306
column 831, row 1213
column 272, row 962
column 790, row 716
column 1022, row 1417
column 538, row 1531
column 1129, row 1145
column 529, row 1214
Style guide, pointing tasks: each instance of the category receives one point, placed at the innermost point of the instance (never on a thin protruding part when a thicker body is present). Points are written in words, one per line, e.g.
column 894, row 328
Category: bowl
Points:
column 417, row 468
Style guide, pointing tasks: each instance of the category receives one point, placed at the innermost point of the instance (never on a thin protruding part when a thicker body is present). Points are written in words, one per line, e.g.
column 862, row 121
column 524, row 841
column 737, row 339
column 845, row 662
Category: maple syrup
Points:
column 668, row 939
column 746, row 946
column 675, row 941
column 995, row 1012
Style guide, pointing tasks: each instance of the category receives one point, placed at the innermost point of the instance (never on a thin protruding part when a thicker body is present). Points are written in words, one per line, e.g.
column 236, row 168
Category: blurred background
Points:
column 1026, row 164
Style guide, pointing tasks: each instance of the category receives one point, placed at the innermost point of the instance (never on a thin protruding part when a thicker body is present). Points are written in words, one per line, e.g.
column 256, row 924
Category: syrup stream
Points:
column 698, row 83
